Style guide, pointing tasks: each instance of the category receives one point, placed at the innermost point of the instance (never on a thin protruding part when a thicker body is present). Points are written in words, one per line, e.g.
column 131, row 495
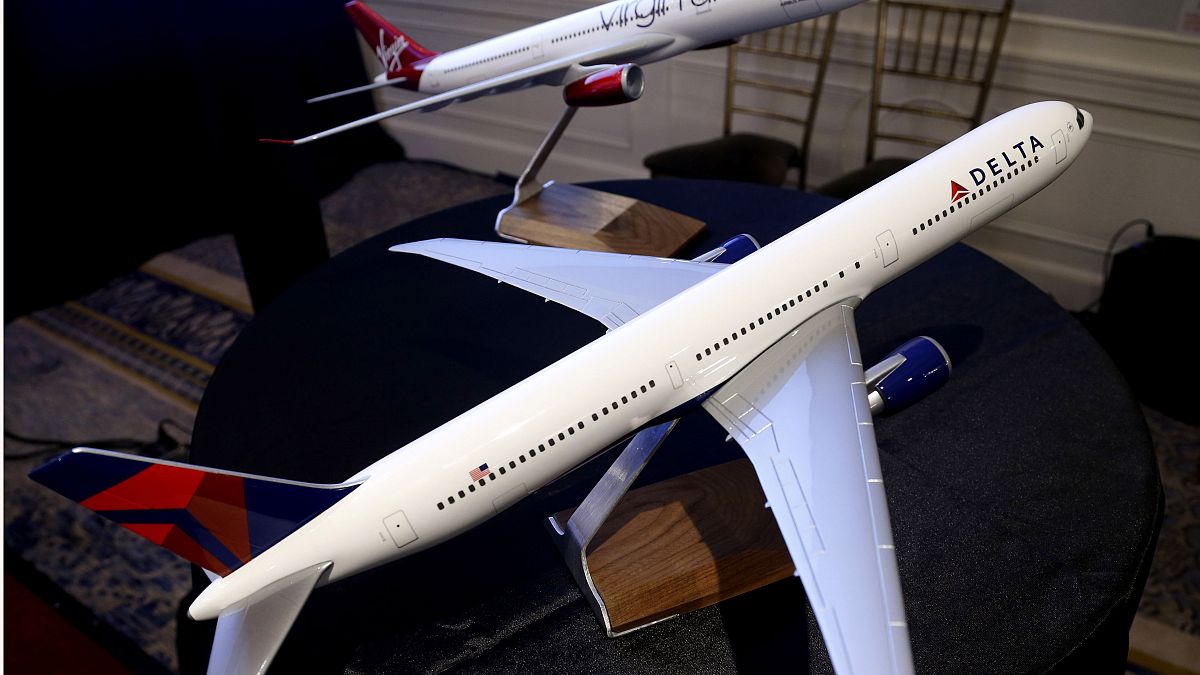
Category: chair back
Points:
column 754, row 88
column 950, row 44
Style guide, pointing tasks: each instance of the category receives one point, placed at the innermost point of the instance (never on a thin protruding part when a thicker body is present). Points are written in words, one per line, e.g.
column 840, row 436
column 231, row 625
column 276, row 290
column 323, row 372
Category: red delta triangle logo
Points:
column 957, row 191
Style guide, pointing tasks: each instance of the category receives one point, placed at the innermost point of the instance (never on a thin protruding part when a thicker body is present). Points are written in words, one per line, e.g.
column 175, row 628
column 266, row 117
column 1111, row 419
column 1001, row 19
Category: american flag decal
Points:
column 479, row 472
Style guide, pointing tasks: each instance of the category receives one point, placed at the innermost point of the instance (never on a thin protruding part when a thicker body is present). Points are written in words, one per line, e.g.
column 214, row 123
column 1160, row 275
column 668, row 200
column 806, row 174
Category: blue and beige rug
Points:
column 111, row 365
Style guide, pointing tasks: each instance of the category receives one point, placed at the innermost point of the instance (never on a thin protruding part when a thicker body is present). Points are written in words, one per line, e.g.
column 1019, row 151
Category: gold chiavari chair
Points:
column 765, row 78
column 923, row 47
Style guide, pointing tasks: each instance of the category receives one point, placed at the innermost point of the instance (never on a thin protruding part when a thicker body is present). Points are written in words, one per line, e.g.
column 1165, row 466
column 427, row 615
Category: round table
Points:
column 1024, row 495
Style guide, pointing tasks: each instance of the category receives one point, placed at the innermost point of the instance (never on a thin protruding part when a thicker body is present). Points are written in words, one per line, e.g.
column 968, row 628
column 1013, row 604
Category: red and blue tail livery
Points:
column 217, row 519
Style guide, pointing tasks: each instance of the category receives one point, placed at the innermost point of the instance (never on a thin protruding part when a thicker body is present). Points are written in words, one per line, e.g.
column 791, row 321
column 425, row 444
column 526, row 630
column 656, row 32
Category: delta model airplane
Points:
column 596, row 54
column 766, row 345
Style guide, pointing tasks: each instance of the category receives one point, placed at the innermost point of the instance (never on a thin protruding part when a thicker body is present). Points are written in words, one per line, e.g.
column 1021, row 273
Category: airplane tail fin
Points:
column 217, row 519
column 396, row 51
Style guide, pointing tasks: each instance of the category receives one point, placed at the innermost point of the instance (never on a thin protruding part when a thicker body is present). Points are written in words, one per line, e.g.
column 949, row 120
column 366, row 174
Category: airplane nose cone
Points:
column 830, row 6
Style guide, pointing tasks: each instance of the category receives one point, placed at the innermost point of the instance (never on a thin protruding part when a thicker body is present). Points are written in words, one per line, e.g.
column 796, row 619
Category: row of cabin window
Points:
column 490, row 58
column 708, row 351
column 575, row 35
column 661, row 11
column 562, row 436
column 974, row 195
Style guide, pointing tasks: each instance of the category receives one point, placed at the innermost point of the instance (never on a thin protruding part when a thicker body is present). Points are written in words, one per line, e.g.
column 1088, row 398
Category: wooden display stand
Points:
column 571, row 216
column 671, row 547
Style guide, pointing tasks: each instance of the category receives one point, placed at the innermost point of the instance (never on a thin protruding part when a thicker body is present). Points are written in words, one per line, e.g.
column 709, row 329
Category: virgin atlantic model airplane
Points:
column 766, row 345
column 595, row 54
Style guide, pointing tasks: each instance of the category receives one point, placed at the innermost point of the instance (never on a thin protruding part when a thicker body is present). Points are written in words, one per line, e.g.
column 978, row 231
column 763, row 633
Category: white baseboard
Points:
column 1070, row 271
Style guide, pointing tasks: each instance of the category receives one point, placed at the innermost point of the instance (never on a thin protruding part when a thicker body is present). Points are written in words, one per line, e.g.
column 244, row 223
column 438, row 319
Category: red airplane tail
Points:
column 214, row 518
column 396, row 51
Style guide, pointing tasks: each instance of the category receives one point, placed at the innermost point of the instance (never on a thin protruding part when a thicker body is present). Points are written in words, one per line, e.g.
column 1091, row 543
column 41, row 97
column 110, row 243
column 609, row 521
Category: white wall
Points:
column 1157, row 14
column 1143, row 86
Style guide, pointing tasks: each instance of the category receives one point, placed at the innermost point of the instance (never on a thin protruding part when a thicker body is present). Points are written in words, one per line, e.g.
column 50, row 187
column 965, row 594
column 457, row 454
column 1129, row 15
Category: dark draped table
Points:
column 1024, row 495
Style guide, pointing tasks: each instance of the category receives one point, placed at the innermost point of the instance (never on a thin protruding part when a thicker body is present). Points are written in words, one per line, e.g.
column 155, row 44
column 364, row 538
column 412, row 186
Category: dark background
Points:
column 131, row 129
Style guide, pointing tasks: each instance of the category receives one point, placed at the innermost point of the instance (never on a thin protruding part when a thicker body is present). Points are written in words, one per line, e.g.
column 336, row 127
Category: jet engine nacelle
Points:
column 910, row 373
column 731, row 251
column 611, row 86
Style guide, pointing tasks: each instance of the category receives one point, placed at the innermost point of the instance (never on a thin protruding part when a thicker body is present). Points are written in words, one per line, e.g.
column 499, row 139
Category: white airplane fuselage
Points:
column 542, row 427
column 693, row 23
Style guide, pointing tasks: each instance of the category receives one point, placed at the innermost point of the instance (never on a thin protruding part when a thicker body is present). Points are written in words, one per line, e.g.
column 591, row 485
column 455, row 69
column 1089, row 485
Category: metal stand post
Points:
column 573, row 540
column 527, row 185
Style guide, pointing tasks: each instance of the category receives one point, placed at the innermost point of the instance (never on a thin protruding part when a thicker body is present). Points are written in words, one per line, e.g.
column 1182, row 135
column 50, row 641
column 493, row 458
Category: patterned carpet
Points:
column 1166, row 634
column 1173, row 590
column 118, row 362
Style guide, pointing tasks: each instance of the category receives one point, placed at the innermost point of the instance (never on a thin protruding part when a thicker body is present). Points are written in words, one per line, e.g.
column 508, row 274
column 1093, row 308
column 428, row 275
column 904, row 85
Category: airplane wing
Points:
column 550, row 72
column 248, row 636
column 612, row 288
column 800, row 412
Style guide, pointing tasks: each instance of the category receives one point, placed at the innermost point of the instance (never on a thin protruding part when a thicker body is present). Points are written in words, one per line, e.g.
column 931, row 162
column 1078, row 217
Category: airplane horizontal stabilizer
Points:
column 366, row 87
column 217, row 519
column 249, row 635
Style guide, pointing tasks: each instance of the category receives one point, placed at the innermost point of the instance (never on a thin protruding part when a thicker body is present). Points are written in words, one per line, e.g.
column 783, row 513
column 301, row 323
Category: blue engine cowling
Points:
column 896, row 383
column 732, row 251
